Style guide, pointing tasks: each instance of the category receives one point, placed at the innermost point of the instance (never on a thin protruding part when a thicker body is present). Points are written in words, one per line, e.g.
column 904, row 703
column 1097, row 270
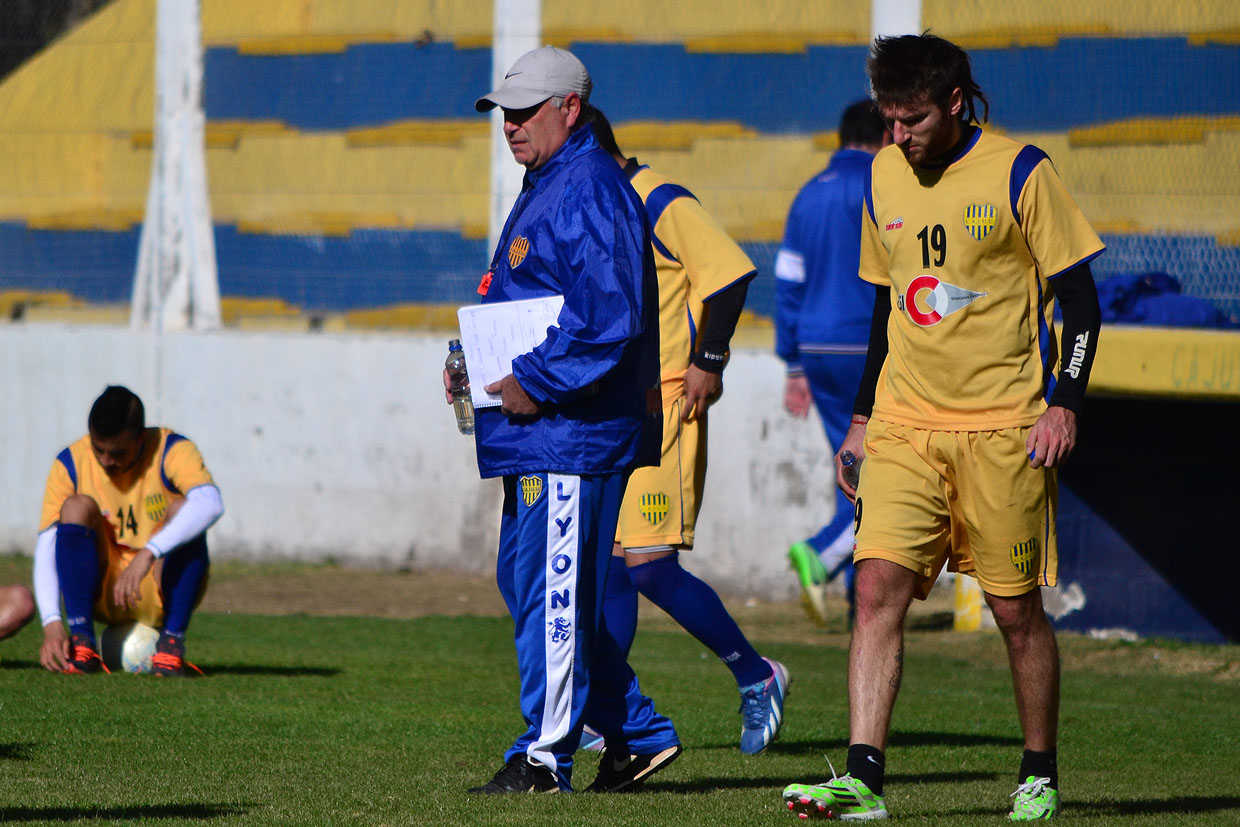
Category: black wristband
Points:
column 711, row 361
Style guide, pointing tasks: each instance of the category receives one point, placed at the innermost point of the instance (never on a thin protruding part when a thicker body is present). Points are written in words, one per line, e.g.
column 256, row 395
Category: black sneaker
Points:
column 83, row 659
column 520, row 776
column 169, row 658
column 621, row 771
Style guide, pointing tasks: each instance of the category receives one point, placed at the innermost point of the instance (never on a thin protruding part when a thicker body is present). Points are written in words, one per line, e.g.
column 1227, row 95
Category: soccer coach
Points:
column 578, row 413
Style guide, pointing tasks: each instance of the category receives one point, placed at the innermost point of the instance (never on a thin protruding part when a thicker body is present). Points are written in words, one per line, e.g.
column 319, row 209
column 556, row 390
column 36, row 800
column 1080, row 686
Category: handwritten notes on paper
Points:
column 495, row 334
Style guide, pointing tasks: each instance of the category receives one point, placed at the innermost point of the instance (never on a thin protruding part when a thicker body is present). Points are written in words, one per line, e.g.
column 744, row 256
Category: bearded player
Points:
column 967, row 405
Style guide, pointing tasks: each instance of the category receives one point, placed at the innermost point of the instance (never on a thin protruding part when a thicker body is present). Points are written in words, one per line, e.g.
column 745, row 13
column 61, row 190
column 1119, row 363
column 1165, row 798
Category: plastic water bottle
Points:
column 458, row 386
column 852, row 469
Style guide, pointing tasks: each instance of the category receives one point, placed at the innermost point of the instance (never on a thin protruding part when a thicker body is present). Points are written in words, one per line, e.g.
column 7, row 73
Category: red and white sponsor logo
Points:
column 894, row 225
column 928, row 300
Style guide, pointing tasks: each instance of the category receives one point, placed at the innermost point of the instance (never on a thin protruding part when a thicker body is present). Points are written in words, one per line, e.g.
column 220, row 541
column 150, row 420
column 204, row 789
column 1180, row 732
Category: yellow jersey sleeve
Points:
column 1058, row 234
column 60, row 487
column 184, row 467
column 711, row 259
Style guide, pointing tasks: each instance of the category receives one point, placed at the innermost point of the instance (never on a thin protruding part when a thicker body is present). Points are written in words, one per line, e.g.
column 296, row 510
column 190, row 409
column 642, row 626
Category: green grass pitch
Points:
column 355, row 720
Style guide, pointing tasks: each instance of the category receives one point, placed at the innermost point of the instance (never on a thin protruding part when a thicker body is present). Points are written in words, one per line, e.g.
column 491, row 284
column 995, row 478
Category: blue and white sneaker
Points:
column 762, row 709
column 591, row 739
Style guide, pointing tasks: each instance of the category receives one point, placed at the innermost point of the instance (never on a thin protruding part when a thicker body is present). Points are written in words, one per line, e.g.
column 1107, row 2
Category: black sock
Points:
column 1039, row 765
column 866, row 764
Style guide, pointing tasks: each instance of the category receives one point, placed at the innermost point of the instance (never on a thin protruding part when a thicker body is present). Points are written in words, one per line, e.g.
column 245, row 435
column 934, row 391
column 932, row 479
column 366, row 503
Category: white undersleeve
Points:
column 202, row 507
column 46, row 581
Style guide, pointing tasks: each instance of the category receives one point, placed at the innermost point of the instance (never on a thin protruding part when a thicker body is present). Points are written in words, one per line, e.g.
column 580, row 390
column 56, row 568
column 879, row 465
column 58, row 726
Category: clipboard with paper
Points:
column 495, row 334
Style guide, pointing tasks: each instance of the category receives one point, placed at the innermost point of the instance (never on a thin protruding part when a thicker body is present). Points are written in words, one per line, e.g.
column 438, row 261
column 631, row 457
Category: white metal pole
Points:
column 517, row 29
column 895, row 17
column 176, row 285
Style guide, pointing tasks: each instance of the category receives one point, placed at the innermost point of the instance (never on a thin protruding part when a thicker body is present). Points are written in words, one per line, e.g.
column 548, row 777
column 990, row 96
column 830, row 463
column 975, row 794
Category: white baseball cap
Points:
column 536, row 76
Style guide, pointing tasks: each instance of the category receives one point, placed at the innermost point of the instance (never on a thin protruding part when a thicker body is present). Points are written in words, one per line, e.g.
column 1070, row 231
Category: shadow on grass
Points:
column 261, row 669
column 952, row 739
column 1137, row 807
column 898, row 739
column 223, row 669
column 788, row 747
column 17, row 752
column 18, row 663
column 929, row 621
column 701, row 785
column 953, row 777
column 198, row 812
column 1143, row 806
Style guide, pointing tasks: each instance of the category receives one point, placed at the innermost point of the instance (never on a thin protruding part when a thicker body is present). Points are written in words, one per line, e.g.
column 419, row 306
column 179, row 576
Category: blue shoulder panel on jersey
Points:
column 869, row 193
column 1044, row 351
column 732, row 284
column 656, row 203
column 1071, row 267
column 173, row 439
column 65, row 458
column 1022, row 168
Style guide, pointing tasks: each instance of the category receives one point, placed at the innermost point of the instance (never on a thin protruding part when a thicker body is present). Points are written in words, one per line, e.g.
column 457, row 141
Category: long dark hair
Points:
column 910, row 68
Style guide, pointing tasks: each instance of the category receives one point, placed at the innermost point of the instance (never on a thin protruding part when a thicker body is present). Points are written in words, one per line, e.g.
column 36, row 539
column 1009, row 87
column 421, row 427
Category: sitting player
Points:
column 123, row 536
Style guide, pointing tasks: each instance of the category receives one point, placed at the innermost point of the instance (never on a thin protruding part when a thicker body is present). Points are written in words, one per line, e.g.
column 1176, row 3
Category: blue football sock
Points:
column 696, row 607
column 185, row 570
column 620, row 605
column 77, row 568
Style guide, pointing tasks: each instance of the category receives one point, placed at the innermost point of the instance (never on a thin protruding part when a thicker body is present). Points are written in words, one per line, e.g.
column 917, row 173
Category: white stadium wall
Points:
column 340, row 447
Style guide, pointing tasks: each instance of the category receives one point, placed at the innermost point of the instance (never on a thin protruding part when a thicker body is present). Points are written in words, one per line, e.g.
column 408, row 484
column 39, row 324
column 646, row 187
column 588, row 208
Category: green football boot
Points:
column 1035, row 799
column 847, row 799
column 813, row 577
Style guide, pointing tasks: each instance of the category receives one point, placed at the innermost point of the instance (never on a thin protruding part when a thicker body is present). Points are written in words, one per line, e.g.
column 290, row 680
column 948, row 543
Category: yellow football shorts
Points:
column 965, row 498
column 661, row 502
column 150, row 607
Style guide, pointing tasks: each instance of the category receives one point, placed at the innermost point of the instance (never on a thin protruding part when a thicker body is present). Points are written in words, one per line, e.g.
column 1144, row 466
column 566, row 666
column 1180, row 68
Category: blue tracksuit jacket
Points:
column 822, row 305
column 579, row 230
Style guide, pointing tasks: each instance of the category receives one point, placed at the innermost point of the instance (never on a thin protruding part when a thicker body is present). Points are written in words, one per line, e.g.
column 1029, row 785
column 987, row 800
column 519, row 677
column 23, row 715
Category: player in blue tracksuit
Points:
column 579, row 412
column 822, row 322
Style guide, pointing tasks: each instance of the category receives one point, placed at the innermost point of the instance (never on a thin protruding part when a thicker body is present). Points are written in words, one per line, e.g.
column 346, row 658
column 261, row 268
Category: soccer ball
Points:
column 129, row 647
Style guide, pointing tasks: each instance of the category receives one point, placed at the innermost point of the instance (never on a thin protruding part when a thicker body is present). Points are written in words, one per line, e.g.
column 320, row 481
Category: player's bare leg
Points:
column 1034, row 658
column 81, row 510
column 876, row 654
column 875, row 666
column 16, row 609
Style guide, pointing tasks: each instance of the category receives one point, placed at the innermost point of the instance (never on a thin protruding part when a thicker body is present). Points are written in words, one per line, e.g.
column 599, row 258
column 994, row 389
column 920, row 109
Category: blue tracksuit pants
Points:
column 833, row 381
column 556, row 535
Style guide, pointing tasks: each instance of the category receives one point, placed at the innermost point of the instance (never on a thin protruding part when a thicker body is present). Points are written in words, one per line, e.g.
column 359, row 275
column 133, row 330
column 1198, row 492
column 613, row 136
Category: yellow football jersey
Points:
column 695, row 259
column 969, row 251
column 134, row 504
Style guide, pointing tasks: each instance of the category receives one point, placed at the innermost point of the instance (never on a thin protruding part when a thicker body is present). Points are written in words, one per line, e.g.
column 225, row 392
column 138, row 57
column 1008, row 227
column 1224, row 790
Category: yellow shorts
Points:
column 965, row 498
column 150, row 607
column 661, row 502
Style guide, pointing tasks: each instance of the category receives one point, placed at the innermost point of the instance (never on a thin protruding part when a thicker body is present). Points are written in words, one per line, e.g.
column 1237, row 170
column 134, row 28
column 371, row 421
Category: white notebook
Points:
column 495, row 334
